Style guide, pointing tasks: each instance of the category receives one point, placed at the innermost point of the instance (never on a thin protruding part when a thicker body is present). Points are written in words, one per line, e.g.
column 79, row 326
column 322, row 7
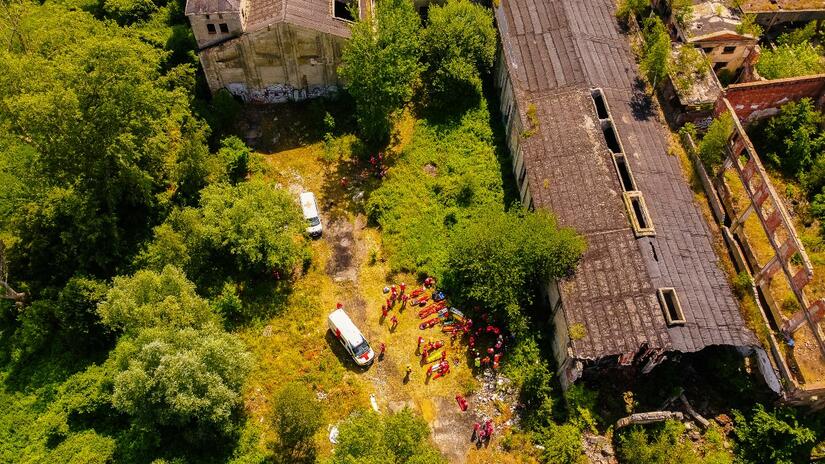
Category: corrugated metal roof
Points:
column 556, row 51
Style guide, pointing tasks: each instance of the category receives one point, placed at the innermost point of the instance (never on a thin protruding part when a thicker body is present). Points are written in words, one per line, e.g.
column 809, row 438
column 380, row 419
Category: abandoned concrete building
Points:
column 713, row 26
column 271, row 51
column 586, row 145
column 771, row 13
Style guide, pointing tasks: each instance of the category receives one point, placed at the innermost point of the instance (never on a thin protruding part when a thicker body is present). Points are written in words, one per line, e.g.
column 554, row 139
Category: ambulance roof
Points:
column 344, row 324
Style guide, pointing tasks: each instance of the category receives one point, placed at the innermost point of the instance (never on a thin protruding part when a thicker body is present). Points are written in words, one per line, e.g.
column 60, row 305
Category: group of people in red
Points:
column 482, row 431
column 492, row 356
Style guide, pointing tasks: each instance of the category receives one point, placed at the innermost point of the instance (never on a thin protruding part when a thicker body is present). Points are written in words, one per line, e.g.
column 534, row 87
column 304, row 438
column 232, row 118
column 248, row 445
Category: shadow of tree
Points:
column 641, row 103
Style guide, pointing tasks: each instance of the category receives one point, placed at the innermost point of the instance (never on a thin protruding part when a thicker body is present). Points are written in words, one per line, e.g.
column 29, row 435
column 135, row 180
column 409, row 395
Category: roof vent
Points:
column 671, row 306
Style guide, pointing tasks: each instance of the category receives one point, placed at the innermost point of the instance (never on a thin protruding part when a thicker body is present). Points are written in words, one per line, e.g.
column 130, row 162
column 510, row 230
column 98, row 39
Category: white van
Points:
column 310, row 208
column 345, row 331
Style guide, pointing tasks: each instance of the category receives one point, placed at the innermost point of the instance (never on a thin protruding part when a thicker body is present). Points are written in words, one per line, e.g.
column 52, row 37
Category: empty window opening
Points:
column 639, row 217
column 224, row 28
column 211, row 28
column 626, row 178
column 611, row 138
column 343, row 9
column 522, row 175
column 718, row 66
column 707, row 49
column 728, row 50
column 207, row 16
column 601, row 106
column 671, row 306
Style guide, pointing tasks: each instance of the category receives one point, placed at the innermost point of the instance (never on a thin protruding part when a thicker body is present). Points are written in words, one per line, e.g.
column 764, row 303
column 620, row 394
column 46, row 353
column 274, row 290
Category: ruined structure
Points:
column 713, row 27
column 750, row 211
column 272, row 50
column 586, row 145
column 770, row 13
column 690, row 98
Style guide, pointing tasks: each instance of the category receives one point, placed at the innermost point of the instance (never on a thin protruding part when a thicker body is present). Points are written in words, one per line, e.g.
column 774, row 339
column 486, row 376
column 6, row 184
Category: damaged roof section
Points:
column 558, row 52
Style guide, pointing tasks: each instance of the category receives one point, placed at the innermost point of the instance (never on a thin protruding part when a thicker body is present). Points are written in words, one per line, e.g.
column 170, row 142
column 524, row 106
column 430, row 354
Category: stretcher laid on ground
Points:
column 432, row 309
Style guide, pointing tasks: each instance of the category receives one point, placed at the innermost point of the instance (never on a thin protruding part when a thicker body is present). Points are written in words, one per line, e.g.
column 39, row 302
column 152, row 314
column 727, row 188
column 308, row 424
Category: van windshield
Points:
column 314, row 221
column 361, row 348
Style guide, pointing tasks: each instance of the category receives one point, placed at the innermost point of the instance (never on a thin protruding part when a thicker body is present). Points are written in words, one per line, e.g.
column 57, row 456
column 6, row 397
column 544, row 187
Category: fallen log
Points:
column 648, row 418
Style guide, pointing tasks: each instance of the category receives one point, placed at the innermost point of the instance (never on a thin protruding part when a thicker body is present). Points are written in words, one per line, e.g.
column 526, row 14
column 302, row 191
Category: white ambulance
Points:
column 345, row 331
column 310, row 209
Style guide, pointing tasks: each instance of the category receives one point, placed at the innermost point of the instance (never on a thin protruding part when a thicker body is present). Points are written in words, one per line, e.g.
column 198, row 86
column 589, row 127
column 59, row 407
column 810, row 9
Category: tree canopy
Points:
column 791, row 60
column 154, row 299
column 459, row 43
column 369, row 438
column 184, row 378
column 380, row 64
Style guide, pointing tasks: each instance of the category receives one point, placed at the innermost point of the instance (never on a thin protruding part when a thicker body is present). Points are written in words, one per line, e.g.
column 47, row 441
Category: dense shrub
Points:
column 445, row 176
column 775, row 437
column 401, row 438
column 296, row 416
column 459, row 43
column 186, row 379
column 794, row 139
column 151, row 299
column 562, row 444
column 791, row 60
column 713, row 147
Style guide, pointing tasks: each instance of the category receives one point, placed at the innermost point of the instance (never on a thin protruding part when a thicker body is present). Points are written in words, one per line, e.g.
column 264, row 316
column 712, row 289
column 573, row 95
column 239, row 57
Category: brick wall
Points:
column 757, row 100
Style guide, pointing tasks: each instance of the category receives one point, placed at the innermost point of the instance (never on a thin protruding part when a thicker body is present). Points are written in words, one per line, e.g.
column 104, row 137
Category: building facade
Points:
column 272, row 51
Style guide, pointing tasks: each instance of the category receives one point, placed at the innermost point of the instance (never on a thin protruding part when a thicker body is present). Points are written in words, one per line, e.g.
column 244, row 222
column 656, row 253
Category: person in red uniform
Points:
column 381, row 351
column 393, row 323
column 384, row 312
column 403, row 287
column 488, row 429
column 420, row 341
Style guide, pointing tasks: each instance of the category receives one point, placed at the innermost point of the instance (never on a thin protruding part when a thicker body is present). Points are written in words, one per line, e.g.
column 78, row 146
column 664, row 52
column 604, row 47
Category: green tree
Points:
column 682, row 10
column 182, row 378
column 562, row 444
column 628, row 8
column 380, row 65
column 775, row 437
column 98, row 125
column 297, row 416
column 401, row 438
column 656, row 61
column 235, row 154
column 502, row 259
column 459, row 43
column 128, row 11
column 664, row 445
column 250, row 229
column 152, row 299
column 713, row 147
column 795, row 137
column 791, row 60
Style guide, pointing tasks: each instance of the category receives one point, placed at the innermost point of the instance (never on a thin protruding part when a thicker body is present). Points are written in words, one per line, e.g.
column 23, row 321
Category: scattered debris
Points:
column 267, row 331
column 693, row 412
column 333, row 434
column 373, row 402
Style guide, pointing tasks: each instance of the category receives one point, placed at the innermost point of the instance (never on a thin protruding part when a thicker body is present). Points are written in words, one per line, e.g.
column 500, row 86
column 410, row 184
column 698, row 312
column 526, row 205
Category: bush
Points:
column 128, row 11
column 713, row 147
column 790, row 60
column 656, row 60
column 581, row 406
column 234, row 155
column 151, row 299
column 400, row 438
column 775, row 437
column 663, row 445
column 503, row 258
column 186, row 379
column 420, row 203
column 297, row 416
column 562, row 444
column 459, row 43
column 742, row 284
column 795, row 138
column 628, row 8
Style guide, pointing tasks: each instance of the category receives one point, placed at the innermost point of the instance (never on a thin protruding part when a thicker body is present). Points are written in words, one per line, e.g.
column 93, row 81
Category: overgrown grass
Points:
column 447, row 175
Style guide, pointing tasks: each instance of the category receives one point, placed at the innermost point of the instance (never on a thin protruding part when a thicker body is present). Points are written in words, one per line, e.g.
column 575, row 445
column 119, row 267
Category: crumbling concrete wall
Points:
column 757, row 100
column 280, row 63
